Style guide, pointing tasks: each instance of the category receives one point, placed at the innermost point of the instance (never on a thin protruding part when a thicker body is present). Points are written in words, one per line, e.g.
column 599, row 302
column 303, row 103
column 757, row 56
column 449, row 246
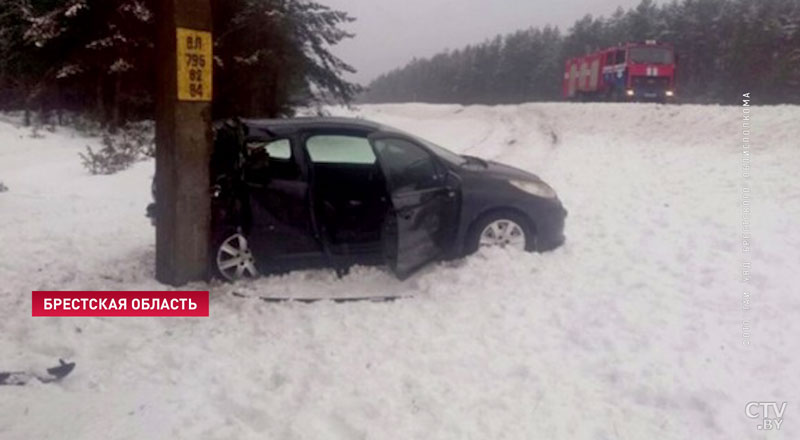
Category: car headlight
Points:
column 670, row 93
column 539, row 189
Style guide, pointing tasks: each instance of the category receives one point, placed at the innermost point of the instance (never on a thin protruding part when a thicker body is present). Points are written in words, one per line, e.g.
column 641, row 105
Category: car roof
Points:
column 286, row 126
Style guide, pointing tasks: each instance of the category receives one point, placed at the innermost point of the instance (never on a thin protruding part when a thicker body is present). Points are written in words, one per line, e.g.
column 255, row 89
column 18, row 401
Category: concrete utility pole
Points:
column 183, row 139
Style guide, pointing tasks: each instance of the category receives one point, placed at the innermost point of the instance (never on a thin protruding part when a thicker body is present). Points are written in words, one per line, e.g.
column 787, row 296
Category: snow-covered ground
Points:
column 631, row 330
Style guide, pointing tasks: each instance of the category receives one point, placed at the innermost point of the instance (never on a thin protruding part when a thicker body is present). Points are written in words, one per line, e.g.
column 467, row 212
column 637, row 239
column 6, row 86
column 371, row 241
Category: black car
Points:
column 303, row 192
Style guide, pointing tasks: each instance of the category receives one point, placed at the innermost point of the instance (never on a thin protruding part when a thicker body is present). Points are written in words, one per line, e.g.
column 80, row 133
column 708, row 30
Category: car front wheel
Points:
column 234, row 259
column 503, row 229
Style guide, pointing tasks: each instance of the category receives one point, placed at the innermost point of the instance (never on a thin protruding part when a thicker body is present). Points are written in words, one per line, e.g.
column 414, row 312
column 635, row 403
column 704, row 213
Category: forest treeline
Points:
column 97, row 57
column 724, row 48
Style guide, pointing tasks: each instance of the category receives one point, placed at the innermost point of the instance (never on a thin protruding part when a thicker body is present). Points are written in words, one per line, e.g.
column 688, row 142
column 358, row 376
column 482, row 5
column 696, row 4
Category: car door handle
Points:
column 355, row 202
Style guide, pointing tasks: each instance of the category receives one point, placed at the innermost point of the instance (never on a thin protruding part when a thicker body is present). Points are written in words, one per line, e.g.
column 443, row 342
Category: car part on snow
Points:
column 23, row 377
column 235, row 259
column 307, row 300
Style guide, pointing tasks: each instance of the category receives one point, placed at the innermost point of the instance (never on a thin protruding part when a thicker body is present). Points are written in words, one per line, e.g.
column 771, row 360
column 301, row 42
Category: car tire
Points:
column 506, row 227
column 232, row 257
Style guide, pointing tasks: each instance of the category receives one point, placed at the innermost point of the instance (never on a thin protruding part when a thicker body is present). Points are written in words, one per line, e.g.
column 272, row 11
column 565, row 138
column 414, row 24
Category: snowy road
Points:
column 631, row 330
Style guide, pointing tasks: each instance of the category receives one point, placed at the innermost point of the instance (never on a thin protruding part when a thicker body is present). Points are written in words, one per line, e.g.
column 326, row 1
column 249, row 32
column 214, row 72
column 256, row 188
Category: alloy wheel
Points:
column 235, row 259
column 503, row 233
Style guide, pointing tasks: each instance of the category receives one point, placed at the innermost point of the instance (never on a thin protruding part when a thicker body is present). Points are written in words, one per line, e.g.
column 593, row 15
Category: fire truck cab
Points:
column 631, row 71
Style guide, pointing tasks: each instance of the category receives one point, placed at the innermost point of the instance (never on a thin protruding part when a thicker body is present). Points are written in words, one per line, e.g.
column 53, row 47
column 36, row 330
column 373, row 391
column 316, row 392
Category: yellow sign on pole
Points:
column 194, row 65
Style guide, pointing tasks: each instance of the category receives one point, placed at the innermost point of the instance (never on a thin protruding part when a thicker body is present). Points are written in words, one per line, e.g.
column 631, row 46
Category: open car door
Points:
column 418, row 226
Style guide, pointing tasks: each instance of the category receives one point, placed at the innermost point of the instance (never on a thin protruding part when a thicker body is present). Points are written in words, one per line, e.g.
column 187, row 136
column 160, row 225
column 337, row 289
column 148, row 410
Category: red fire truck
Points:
column 632, row 71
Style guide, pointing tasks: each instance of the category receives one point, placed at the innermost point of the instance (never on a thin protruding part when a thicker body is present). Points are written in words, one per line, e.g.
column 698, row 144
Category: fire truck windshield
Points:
column 650, row 55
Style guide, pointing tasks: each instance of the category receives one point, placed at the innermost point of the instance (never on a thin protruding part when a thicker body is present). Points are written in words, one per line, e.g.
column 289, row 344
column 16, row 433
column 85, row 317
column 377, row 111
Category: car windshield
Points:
column 650, row 55
column 442, row 152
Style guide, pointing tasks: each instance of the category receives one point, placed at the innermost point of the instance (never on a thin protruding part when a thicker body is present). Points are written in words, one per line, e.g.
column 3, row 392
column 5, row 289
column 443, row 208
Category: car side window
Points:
column 277, row 149
column 272, row 159
column 407, row 166
column 340, row 149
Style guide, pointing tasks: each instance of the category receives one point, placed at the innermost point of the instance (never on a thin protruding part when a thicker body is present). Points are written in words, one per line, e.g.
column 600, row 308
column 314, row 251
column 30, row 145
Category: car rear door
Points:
column 419, row 225
column 278, row 200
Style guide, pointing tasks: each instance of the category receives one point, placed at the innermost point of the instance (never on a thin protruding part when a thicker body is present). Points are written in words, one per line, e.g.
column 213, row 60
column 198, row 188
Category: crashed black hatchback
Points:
column 317, row 192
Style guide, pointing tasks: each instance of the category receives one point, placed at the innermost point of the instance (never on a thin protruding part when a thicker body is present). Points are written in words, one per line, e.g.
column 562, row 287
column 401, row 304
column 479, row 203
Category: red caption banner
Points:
column 145, row 303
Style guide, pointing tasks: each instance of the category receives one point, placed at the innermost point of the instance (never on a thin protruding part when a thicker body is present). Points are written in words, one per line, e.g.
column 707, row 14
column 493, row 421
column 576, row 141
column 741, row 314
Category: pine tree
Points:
column 97, row 56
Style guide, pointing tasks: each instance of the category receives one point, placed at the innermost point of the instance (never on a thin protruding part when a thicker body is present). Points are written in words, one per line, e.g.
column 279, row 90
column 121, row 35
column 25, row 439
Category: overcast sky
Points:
column 389, row 33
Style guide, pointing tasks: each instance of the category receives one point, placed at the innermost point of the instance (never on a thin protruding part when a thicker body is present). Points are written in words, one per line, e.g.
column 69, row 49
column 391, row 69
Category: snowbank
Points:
column 631, row 330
